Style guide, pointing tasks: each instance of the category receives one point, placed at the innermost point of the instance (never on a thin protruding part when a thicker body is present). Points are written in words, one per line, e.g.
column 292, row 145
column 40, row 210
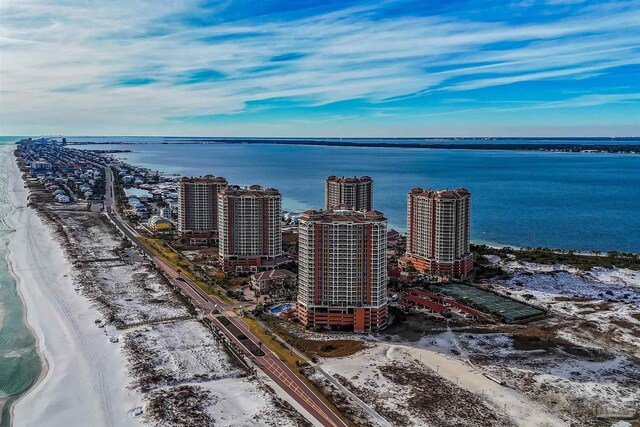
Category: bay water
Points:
column 580, row 201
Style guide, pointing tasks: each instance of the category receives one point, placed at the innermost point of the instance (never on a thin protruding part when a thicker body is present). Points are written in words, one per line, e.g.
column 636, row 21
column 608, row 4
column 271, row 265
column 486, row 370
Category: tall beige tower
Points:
column 198, row 207
column 438, row 231
column 354, row 193
column 249, row 228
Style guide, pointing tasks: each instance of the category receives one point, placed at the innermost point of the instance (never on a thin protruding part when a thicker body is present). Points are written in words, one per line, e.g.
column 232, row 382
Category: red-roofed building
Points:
column 422, row 303
column 267, row 280
column 393, row 237
column 405, row 305
column 425, row 294
column 470, row 311
column 395, row 273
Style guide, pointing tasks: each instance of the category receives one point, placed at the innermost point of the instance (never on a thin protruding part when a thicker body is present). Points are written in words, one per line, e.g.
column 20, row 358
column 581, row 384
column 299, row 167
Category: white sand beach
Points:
column 85, row 381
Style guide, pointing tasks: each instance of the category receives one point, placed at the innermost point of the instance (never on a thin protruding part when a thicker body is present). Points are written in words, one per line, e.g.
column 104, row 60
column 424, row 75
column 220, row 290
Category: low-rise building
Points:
column 393, row 237
column 267, row 281
column 166, row 213
column 40, row 167
column 158, row 223
column 141, row 212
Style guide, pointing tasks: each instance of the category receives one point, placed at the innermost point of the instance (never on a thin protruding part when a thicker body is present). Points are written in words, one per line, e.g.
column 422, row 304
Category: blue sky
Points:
column 320, row 68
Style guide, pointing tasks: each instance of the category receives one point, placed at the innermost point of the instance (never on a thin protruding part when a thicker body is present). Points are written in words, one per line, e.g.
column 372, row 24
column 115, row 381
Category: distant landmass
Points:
column 629, row 145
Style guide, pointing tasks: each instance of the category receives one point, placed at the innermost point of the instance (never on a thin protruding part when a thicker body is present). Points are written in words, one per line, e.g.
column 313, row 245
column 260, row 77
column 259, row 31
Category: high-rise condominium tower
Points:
column 198, row 207
column 342, row 269
column 249, row 228
column 438, row 231
column 354, row 193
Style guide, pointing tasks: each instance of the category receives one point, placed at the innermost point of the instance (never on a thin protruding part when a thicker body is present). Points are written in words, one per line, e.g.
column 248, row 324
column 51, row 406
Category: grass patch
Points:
column 600, row 306
column 231, row 282
column 545, row 339
column 331, row 348
column 158, row 248
column 625, row 324
column 267, row 339
column 312, row 348
column 571, row 299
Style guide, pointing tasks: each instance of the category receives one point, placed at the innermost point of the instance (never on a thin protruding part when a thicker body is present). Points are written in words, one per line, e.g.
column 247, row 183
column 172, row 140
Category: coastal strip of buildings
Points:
column 342, row 248
column 341, row 254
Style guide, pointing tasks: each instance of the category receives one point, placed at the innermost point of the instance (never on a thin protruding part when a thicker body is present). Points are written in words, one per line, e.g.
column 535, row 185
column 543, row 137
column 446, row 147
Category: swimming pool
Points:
column 280, row 308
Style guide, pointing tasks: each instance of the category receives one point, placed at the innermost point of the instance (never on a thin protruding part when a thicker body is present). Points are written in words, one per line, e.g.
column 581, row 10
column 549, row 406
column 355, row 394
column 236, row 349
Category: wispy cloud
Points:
column 592, row 100
column 131, row 62
column 583, row 101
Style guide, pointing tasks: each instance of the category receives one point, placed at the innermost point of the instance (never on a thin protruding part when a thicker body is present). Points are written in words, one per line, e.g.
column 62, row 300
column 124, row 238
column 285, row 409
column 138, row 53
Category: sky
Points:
column 320, row 68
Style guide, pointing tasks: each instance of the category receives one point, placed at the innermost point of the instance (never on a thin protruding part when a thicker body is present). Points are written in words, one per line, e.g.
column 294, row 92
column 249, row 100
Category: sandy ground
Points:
column 519, row 407
column 85, row 382
column 361, row 370
column 603, row 304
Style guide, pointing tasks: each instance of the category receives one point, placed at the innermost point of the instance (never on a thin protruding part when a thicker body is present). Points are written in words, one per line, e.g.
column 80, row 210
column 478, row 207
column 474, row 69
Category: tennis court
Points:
column 505, row 308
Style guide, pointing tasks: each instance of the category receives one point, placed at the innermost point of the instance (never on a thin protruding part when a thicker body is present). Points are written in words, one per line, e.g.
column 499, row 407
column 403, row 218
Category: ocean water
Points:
column 582, row 201
column 20, row 364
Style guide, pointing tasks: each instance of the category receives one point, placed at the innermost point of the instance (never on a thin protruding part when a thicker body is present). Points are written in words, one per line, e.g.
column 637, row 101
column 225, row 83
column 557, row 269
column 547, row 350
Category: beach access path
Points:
column 84, row 381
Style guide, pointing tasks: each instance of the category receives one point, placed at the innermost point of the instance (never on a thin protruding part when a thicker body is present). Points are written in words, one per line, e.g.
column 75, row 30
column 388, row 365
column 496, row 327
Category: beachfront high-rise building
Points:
column 198, row 207
column 355, row 193
column 250, row 228
column 438, row 232
column 342, row 269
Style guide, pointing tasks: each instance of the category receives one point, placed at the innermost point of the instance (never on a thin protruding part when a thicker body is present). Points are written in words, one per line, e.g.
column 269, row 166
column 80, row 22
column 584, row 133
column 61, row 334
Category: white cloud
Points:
column 61, row 61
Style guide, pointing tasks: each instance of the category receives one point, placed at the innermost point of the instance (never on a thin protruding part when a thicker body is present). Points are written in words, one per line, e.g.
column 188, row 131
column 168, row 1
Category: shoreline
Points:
column 175, row 332
column 13, row 172
column 138, row 384
column 62, row 320
column 44, row 363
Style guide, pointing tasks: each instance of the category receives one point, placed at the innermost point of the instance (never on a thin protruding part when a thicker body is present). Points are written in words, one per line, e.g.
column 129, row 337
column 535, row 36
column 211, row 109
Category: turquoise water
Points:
column 280, row 308
column 20, row 364
column 581, row 201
